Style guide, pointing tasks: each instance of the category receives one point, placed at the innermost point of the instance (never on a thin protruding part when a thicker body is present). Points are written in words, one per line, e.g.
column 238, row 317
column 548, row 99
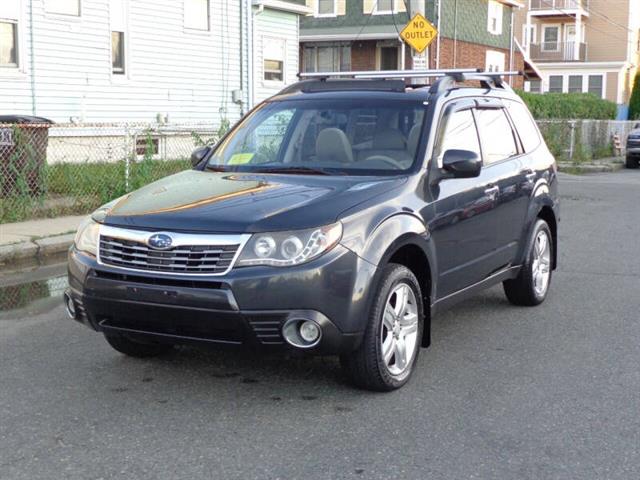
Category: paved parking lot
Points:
column 504, row 392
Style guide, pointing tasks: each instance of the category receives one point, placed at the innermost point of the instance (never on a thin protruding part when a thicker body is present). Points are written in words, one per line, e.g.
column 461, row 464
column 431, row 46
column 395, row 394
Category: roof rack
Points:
column 387, row 74
column 488, row 80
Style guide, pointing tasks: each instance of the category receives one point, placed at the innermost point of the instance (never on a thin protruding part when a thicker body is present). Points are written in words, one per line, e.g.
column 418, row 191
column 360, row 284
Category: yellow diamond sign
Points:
column 419, row 33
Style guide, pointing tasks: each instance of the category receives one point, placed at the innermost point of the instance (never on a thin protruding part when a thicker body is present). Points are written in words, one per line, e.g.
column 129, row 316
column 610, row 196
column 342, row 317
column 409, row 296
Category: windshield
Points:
column 324, row 137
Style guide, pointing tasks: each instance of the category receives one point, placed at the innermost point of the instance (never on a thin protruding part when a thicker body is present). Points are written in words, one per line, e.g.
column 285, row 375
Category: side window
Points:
column 526, row 127
column 459, row 134
column 496, row 135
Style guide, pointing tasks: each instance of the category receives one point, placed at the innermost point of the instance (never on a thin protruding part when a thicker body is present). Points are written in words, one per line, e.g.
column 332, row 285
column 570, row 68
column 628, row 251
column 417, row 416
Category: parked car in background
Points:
column 633, row 147
column 336, row 218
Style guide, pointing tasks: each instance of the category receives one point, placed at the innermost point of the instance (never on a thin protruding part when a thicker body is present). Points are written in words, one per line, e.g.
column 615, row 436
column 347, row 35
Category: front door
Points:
column 570, row 42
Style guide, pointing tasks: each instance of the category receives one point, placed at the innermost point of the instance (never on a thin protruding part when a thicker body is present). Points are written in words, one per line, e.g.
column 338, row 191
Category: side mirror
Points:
column 461, row 164
column 637, row 125
column 199, row 154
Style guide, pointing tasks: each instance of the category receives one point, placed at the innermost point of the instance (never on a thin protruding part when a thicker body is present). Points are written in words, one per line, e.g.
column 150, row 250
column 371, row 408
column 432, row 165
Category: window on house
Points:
column 8, row 44
column 596, row 85
column 117, row 52
column 494, row 24
column 556, row 84
column 575, row 83
column 327, row 58
column 196, row 14
column 274, row 59
column 389, row 58
column 528, row 34
column 147, row 146
column 63, row 7
column 494, row 61
column 551, row 39
column 496, row 135
column 384, row 6
column 535, row 86
column 326, row 8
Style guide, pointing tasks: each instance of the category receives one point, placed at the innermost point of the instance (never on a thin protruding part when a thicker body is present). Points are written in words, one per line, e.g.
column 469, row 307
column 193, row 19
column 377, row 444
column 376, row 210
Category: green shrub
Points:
column 569, row 106
column 634, row 102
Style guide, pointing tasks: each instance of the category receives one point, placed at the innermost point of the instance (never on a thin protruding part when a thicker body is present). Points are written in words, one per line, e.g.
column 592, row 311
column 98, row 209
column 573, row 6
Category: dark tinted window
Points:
column 525, row 125
column 459, row 134
column 496, row 135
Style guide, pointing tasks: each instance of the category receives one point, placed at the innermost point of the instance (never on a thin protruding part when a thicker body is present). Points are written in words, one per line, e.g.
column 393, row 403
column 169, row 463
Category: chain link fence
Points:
column 581, row 141
column 65, row 169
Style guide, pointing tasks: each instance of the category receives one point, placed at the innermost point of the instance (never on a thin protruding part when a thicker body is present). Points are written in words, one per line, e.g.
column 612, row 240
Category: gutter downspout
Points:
column 455, row 33
column 34, row 109
column 511, row 46
column 439, row 14
column 252, row 15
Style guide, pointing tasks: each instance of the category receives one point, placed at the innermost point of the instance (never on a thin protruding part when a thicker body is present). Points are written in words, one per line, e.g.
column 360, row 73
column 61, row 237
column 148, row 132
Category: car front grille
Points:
column 192, row 259
column 633, row 143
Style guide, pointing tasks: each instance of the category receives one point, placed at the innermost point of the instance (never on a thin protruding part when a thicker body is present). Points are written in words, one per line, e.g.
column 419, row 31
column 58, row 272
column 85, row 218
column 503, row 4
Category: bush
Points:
column 634, row 102
column 569, row 106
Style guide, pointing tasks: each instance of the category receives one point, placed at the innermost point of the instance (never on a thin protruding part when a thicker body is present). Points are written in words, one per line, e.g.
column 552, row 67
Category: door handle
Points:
column 492, row 192
column 529, row 174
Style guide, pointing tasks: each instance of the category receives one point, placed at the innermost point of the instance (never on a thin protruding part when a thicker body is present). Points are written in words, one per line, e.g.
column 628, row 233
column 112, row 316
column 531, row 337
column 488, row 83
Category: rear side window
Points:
column 496, row 135
column 525, row 125
column 459, row 134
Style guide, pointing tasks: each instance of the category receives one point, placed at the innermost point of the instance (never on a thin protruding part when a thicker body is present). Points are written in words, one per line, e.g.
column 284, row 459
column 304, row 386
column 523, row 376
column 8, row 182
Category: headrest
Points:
column 389, row 139
column 332, row 145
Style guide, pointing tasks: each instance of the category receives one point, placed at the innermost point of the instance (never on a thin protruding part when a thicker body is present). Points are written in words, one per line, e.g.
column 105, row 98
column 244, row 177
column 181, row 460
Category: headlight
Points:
column 87, row 237
column 282, row 249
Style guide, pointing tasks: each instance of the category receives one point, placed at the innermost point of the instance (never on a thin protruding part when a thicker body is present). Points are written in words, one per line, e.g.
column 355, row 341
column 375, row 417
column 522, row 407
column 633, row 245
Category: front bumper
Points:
column 247, row 306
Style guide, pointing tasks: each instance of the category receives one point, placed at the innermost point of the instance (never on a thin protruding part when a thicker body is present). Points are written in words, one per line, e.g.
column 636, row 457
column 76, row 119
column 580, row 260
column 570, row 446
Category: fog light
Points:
column 309, row 331
column 70, row 306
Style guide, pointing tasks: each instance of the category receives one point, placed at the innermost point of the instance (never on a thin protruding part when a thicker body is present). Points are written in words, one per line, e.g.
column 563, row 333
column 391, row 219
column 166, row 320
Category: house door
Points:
column 570, row 42
column 389, row 58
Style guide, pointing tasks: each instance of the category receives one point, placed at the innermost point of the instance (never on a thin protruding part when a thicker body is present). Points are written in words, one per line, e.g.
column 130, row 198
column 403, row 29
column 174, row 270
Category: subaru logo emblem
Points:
column 159, row 241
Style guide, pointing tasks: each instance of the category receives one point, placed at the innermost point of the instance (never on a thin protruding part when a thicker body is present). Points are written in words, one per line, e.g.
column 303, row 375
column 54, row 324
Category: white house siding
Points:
column 186, row 74
column 274, row 25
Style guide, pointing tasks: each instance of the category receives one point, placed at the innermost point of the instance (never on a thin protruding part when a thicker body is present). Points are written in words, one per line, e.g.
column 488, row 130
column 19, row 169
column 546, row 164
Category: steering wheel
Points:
column 386, row 159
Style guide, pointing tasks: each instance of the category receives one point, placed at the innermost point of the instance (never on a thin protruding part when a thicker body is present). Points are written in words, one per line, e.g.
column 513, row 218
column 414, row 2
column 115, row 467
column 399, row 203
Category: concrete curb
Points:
column 35, row 249
column 589, row 167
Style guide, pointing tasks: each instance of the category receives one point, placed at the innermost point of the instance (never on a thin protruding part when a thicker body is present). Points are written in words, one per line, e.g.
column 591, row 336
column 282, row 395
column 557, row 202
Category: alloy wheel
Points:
column 399, row 330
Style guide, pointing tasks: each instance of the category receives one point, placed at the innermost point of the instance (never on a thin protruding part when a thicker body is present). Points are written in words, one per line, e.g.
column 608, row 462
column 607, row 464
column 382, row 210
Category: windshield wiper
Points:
column 293, row 170
column 217, row 168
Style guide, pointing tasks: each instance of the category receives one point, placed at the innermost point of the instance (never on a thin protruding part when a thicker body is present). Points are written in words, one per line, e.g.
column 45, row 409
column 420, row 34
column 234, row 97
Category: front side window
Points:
column 494, row 24
column 556, row 84
column 8, row 44
column 459, row 134
column 323, row 137
column 596, row 85
column 326, row 8
column 274, row 50
column 63, row 7
column 496, row 135
column 196, row 14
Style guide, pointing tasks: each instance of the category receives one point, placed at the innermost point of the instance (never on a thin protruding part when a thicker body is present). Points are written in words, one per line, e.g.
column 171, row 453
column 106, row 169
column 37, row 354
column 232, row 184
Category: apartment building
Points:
column 582, row 46
column 364, row 35
column 143, row 60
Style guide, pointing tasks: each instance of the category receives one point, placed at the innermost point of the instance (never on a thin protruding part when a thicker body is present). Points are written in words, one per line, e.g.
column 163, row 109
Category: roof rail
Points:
column 387, row 74
column 487, row 79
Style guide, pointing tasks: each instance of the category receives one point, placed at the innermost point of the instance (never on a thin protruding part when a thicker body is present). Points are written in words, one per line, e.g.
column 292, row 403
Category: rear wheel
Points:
column 389, row 350
column 531, row 286
column 134, row 348
column 632, row 162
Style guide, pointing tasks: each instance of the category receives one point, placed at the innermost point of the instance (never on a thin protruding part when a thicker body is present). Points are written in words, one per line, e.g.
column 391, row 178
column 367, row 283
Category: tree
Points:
column 634, row 102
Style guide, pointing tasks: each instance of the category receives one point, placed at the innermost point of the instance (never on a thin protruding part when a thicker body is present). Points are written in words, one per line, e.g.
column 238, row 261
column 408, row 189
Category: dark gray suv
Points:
column 335, row 218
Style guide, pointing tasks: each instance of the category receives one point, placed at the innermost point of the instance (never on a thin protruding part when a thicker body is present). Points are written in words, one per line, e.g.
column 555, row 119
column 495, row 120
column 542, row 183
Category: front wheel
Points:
column 389, row 350
column 531, row 286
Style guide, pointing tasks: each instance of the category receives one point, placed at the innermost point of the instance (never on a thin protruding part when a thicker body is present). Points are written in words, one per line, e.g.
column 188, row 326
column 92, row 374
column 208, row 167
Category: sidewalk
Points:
column 36, row 238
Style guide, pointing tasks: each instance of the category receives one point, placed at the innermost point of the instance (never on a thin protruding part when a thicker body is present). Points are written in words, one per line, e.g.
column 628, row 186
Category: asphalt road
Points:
column 504, row 392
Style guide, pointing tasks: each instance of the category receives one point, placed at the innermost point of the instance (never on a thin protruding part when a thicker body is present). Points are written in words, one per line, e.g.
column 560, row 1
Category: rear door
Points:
column 506, row 169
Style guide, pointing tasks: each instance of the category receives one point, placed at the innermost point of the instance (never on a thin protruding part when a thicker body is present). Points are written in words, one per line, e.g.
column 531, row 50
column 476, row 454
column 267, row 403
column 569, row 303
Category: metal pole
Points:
column 438, row 39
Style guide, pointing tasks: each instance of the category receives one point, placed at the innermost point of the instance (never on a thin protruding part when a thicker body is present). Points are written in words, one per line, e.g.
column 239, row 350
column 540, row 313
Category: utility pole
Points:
column 420, row 60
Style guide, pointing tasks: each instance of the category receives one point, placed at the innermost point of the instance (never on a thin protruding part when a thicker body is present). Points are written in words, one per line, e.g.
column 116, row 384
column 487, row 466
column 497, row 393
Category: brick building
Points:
column 364, row 35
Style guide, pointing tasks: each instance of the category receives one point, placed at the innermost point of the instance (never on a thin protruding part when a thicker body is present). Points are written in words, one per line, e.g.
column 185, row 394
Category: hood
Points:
column 242, row 202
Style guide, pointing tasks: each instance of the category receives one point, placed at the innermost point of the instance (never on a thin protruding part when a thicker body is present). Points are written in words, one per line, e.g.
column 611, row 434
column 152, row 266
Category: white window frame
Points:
column 192, row 29
column 15, row 16
column 70, row 16
column 394, row 8
column 491, row 60
column 585, row 83
column 495, row 10
column 533, row 34
column 387, row 44
column 543, row 43
column 12, row 67
column 265, row 41
column 120, row 25
column 317, row 13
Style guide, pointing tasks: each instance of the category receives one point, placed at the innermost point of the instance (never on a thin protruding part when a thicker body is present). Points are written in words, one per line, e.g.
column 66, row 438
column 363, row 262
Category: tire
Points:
column 632, row 162
column 132, row 348
column 531, row 286
column 400, row 330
